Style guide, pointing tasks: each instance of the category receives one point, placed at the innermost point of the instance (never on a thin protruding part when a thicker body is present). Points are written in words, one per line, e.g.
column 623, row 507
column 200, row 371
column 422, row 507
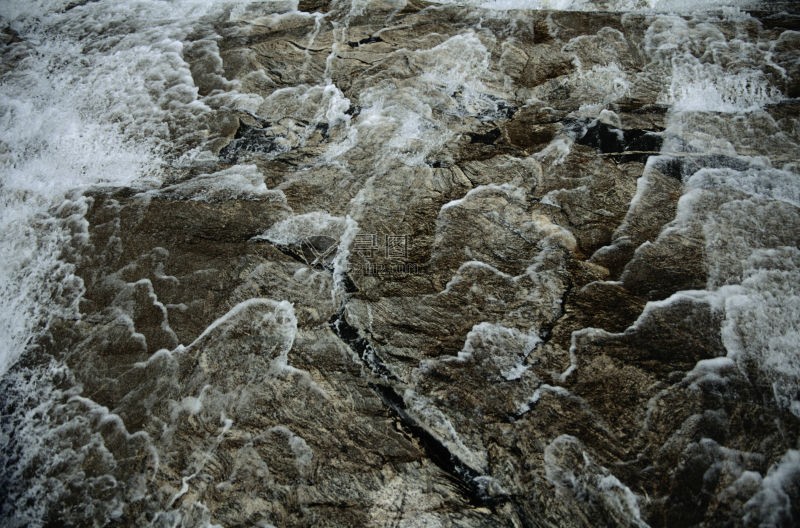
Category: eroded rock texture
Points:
column 441, row 266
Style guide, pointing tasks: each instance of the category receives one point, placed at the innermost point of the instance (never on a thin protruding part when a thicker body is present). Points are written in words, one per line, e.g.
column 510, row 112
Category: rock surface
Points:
column 439, row 268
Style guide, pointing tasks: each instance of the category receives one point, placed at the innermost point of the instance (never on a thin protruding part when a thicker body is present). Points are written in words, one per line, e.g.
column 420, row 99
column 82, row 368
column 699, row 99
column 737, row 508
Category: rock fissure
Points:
column 471, row 483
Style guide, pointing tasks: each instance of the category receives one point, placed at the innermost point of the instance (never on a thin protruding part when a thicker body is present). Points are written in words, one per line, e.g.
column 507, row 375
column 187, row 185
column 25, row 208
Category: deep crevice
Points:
column 352, row 338
column 467, row 480
column 368, row 40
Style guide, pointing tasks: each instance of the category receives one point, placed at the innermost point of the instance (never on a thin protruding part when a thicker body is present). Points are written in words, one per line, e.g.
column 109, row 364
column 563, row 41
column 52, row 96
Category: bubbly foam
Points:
column 657, row 6
column 697, row 87
column 89, row 101
column 297, row 228
column 51, row 145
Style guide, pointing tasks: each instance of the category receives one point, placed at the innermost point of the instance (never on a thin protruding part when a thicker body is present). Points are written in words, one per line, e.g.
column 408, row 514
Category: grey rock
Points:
column 480, row 316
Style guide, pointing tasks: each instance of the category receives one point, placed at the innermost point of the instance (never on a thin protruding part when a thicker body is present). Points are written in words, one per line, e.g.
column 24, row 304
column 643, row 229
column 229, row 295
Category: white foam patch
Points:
column 773, row 504
column 747, row 216
column 458, row 66
column 699, row 87
column 555, row 152
column 53, row 435
column 297, row 228
column 277, row 315
column 49, row 147
column 573, row 472
column 237, row 182
column 659, row 6
column 469, row 268
column 512, row 192
column 303, row 454
column 602, row 84
column 499, row 349
column 410, row 116
column 771, row 184
column 341, row 262
column 295, row 113
column 528, row 404
column 709, row 72
column 760, row 330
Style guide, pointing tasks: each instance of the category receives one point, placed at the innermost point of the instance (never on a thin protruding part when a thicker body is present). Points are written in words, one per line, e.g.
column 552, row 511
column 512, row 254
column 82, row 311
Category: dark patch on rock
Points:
column 249, row 139
column 487, row 138
column 323, row 129
column 8, row 36
column 623, row 145
column 787, row 20
column 506, row 109
column 367, row 40
column 682, row 167
column 310, row 6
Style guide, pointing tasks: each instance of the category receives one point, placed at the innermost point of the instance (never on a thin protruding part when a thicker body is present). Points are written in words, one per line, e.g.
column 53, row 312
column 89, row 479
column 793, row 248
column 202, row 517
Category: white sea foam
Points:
column 760, row 330
column 51, row 147
column 88, row 103
column 749, row 219
column 101, row 95
column 411, row 116
column 570, row 468
column 528, row 404
column 277, row 313
column 52, row 435
column 237, row 182
column 770, row 184
column 659, row 6
column 297, row 228
column 772, row 505
column 499, row 349
column 303, row 454
column 506, row 189
column 341, row 262
column 698, row 87
column 748, row 216
column 710, row 72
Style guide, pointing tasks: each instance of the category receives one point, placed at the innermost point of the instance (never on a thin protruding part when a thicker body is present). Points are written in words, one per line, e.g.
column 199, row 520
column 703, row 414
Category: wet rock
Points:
column 438, row 273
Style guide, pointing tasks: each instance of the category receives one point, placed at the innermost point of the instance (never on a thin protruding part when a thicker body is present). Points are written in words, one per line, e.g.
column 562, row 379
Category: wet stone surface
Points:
column 443, row 268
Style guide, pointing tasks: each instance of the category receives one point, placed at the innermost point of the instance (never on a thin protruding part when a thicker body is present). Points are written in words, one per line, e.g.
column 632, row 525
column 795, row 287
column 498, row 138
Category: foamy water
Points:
column 642, row 6
column 89, row 98
column 55, row 139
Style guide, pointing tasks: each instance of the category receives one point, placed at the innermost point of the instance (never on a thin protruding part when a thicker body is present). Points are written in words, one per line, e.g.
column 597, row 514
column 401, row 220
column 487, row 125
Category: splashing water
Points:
column 88, row 95
column 54, row 140
column 657, row 6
